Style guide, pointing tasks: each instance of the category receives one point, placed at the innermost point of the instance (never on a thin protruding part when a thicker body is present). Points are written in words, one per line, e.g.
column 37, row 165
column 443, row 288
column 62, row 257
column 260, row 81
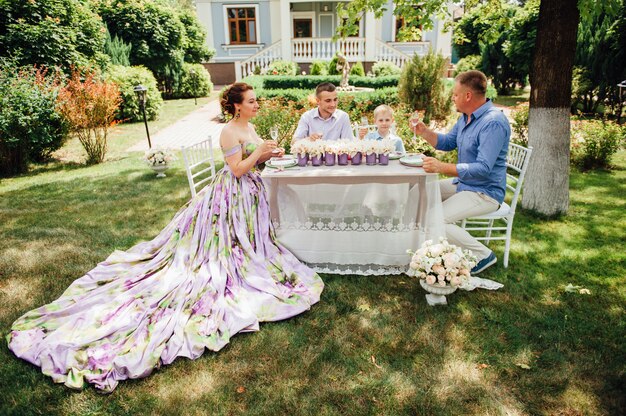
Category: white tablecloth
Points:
column 355, row 219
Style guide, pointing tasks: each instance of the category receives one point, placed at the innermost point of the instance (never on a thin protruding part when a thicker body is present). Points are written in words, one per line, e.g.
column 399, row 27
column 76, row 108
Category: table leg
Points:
column 273, row 200
column 422, row 205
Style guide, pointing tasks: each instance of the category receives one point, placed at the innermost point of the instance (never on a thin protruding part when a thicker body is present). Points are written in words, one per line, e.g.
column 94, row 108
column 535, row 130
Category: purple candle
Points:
column 342, row 159
column 383, row 159
column 370, row 159
column 356, row 159
column 303, row 159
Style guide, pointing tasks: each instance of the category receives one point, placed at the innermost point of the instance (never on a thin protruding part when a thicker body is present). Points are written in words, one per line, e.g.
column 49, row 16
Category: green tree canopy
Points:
column 50, row 32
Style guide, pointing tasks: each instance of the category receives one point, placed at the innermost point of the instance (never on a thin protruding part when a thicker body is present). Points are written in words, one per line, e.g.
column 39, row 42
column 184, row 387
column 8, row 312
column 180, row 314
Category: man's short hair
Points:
column 324, row 86
column 474, row 80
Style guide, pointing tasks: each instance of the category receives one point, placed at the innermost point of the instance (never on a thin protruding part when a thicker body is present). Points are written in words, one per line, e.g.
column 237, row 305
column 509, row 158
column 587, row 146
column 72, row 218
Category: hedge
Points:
column 309, row 82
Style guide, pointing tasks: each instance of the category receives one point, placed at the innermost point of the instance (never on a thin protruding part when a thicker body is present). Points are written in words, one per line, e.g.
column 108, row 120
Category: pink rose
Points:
column 430, row 279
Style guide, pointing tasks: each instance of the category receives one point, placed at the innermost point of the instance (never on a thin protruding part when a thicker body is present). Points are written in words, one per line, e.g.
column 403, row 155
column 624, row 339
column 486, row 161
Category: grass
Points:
column 516, row 97
column 371, row 346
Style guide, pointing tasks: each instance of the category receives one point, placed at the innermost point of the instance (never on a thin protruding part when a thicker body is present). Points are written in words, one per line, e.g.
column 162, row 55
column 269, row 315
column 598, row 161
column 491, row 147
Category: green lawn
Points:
column 371, row 346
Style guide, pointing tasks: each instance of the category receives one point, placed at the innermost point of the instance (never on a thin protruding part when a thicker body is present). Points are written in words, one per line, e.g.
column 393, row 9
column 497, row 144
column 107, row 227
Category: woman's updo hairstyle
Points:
column 231, row 95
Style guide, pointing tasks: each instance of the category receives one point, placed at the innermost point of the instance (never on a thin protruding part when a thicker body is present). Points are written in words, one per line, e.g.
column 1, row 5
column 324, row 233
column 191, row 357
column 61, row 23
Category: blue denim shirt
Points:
column 482, row 146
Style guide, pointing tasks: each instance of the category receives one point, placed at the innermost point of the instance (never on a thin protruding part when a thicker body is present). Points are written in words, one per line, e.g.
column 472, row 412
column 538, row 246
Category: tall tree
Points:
column 547, row 182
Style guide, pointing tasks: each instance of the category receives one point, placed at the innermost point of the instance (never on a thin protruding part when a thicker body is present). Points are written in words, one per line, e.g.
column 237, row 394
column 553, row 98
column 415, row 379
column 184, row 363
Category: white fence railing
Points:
column 324, row 49
column 385, row 52
column 262, row 59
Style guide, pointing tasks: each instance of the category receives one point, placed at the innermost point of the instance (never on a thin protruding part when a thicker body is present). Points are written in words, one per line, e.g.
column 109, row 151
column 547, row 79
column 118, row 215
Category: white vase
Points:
column 437, row 295
column 159, row 169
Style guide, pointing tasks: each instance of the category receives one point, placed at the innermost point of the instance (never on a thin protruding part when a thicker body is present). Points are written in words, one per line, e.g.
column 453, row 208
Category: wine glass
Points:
column 274, row 132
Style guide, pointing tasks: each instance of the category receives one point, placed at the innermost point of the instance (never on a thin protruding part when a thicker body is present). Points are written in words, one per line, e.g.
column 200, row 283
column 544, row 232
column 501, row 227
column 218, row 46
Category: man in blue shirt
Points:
column 325, row 121
column 481, row 136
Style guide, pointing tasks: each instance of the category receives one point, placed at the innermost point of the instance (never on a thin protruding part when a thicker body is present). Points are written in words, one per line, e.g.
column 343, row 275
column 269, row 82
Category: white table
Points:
column 355, row 219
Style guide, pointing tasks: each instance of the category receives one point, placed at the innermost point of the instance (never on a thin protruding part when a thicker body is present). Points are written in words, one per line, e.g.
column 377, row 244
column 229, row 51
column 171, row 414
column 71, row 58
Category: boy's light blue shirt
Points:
column 482, row 146
column 375, row 135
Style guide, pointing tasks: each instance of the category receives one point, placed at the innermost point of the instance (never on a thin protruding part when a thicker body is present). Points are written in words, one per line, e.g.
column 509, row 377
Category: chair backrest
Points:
column 199, row 164
column 517, row 162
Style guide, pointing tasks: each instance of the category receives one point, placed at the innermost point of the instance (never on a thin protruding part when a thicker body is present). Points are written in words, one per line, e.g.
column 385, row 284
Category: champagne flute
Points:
column 364, row 123
column 274, row 132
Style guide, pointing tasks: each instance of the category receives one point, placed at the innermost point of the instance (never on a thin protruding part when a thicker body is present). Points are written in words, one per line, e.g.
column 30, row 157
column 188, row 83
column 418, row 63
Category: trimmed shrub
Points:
column 467, row 64
column 422, row 88
column 520, row 128
column 311, row 81
column 332, row 66
column 89, row 104
column 126, row 78
column 282, row 68
column 319, row 68
column 31, row 127
column 357, row 70
column 595, row 142
column 296, row 95
column 385, row 68
column 197, row 84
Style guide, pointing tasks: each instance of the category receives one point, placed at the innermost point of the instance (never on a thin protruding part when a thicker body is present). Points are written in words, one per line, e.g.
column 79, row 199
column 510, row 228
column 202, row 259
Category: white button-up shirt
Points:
column 337, row 126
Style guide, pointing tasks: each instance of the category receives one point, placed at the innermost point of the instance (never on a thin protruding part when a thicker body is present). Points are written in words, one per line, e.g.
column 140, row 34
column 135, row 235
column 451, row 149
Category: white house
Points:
column 247, row 34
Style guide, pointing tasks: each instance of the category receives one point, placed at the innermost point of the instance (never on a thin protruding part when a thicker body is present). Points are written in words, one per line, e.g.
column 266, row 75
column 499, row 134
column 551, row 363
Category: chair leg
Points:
column 488, row 235
column 507, row 244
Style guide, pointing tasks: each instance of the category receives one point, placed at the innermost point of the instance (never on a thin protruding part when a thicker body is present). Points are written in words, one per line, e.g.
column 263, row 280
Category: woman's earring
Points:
column 237, row 114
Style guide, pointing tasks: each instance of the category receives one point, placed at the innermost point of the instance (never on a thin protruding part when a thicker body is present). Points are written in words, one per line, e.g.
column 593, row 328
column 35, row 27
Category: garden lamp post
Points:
column 621, row 86
column 194, row 82
column 140, row 90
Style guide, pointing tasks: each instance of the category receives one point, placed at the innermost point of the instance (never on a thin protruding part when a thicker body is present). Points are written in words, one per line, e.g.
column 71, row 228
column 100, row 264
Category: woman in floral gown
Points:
column 214, row 271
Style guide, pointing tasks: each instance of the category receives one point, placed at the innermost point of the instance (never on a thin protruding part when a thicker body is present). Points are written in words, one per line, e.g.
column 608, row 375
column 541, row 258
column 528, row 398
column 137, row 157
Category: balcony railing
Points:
column 324, row 49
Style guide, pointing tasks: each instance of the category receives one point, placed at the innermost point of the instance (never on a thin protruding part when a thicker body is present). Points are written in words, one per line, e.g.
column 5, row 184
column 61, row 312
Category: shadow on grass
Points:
column 371, row 346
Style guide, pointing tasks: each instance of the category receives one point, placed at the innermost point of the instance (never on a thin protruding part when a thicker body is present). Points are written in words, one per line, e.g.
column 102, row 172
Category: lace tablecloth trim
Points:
column 362, row 226
column 358, row 269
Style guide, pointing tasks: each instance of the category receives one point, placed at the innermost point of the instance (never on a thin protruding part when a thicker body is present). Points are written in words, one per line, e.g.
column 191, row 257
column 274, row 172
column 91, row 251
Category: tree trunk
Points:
column 546, row 189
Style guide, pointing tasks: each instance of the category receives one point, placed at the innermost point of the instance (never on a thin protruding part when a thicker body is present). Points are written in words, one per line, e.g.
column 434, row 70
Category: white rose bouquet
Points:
column 315, row 148
column 386, row 146
column 158, row 157
column 354, row 146
column 441, row 264
column 300, row 147
column 370, row 146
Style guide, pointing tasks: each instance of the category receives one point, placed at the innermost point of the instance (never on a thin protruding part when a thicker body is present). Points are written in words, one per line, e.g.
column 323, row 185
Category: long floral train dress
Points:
column 214, row 271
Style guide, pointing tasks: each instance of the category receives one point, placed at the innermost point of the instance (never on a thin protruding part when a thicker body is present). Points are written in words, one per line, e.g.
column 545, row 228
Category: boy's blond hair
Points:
column 383, row 108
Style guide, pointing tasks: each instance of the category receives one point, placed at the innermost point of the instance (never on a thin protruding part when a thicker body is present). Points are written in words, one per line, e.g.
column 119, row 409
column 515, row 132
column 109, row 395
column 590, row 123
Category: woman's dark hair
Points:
column 233, row 94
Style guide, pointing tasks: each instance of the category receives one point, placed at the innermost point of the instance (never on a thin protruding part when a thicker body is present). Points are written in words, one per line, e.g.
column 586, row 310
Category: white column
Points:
column 205, row 16
column 370, row 37
column 285, row 30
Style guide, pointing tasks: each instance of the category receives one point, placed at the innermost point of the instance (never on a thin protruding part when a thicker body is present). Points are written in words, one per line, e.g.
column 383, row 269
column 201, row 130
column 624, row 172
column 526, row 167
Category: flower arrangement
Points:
column 441, row 264
column 370, row 147
column 300, row 147
column 386, row 146
column 158, row 157
column 315, row 148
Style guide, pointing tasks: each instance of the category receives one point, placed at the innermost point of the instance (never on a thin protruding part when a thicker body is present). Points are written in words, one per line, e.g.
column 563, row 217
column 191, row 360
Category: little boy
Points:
column 383, row 118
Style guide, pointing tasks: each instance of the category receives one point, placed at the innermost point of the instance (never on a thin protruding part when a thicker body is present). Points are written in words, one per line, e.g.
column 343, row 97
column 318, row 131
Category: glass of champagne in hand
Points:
column 274, row 132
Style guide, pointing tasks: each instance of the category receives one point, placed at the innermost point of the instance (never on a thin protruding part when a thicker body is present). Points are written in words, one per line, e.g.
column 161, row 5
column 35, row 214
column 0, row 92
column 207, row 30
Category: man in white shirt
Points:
column 324, row 122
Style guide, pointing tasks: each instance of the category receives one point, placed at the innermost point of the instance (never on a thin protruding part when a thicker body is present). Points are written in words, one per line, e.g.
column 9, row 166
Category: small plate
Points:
column 281, row 162
column 415, row 161
column 395, row 155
